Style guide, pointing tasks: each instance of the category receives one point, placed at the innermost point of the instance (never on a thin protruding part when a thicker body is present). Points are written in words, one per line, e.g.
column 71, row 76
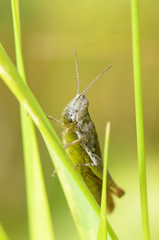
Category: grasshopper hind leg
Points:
column 113, row 187
column 96, row 190
column 84, row 164
column 110, row 201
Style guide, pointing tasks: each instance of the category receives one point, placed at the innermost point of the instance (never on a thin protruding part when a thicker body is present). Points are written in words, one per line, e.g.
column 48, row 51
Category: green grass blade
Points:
column 40, row 225
column 102, row 233
column 17, row 38
column 3, row 235
column 71, row 180
column 139, row 117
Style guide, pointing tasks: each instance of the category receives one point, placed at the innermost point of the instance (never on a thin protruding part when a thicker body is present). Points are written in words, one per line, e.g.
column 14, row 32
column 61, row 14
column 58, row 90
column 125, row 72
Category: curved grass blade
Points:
column 84, row 208
column 3, row 235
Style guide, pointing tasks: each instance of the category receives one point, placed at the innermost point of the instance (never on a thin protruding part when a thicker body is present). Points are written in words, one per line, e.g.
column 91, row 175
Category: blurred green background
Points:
column 100, row 31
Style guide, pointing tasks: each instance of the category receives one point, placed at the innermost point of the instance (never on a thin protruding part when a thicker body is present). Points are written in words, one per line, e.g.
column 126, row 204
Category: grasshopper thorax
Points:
column 76, row 110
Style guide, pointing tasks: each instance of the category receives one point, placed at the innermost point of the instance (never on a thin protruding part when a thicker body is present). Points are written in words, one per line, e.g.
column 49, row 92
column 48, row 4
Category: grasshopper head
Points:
column 76, row 109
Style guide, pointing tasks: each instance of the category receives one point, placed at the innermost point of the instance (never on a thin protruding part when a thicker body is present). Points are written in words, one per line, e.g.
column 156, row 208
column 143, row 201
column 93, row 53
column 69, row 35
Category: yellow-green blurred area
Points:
column 100, row 31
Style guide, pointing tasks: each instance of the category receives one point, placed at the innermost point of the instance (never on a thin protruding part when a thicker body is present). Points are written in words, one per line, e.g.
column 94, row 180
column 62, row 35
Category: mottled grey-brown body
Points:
column 80, row 133
column 81, row 142
column 76, row 114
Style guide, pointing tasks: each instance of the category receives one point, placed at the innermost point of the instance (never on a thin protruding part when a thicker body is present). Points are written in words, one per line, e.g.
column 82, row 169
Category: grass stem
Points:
column 139, row 117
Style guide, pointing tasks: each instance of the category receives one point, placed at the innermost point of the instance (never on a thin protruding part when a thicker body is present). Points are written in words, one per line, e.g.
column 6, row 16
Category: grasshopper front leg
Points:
column 72, row 143
column 95, row 159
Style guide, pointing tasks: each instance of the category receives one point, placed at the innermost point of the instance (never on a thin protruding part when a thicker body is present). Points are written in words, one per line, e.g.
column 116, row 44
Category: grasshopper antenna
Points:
column 52, row 118
column 77, row 71
column 96, row 79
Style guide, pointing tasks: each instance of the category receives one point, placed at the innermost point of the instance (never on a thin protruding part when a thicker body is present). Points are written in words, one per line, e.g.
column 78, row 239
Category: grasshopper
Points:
column 81, row 143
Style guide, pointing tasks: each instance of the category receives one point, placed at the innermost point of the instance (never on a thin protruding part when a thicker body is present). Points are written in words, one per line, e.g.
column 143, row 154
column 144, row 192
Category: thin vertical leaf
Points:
column 40, row 226
column 139, row 117
column 102, row 234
